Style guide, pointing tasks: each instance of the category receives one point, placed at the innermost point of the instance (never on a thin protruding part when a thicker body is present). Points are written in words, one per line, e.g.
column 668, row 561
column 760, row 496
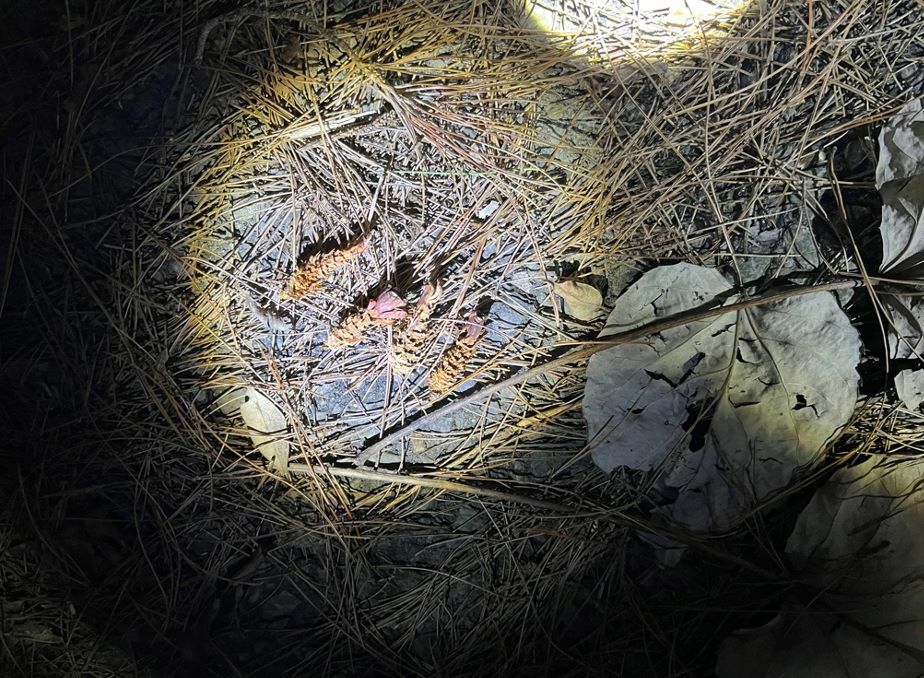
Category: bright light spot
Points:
column 609, row 30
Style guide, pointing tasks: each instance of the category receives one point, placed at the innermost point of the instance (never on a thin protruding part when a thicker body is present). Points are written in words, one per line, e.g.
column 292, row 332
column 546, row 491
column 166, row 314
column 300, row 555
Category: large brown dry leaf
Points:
column 858, row 542
column 900, row 178
column 764, row 390
column 800, row 643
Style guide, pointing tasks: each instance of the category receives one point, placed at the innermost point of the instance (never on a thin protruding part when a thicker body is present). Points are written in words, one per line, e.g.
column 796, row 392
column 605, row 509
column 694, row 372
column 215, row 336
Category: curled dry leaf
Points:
column 901, row 145
column 267, row 425
column 900, row 179
column 906, row 341
column 582, row 301
column 731, row 405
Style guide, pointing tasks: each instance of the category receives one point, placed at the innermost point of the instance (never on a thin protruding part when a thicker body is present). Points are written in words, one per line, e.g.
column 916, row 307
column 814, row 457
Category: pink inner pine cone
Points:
column 387, row 307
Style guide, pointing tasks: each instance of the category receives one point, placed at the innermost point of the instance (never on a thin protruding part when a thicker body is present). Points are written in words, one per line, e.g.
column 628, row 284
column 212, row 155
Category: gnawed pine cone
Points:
column 309, row 275
column 385, row 309
column 412, row 334
column 351, row 330
column 451, row 368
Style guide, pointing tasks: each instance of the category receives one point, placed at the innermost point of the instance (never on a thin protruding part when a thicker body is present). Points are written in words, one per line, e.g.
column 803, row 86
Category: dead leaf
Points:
column 732, row 405
column 906, row 341
column 801, row 643
column 582, row 301
column 902, row 225
column 900, row 179
column 229, row 401
column 859, row 543
column 901, row 145
column 267, row 425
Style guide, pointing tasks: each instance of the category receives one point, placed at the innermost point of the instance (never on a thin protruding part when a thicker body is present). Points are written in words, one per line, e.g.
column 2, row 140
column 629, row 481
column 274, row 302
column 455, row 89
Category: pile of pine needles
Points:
column 175, row 164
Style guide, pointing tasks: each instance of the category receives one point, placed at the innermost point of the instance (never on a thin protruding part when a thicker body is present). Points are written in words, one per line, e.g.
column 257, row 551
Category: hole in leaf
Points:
column 740, row 357
column 697, row 425
column 802, row 403
column 661, row 377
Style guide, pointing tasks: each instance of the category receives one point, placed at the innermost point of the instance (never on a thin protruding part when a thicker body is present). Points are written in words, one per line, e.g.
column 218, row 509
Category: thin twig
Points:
column 588, row 349
column 562, row 510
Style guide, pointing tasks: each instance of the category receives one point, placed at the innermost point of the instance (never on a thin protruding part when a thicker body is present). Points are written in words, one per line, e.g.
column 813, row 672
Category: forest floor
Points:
column 197, row 486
